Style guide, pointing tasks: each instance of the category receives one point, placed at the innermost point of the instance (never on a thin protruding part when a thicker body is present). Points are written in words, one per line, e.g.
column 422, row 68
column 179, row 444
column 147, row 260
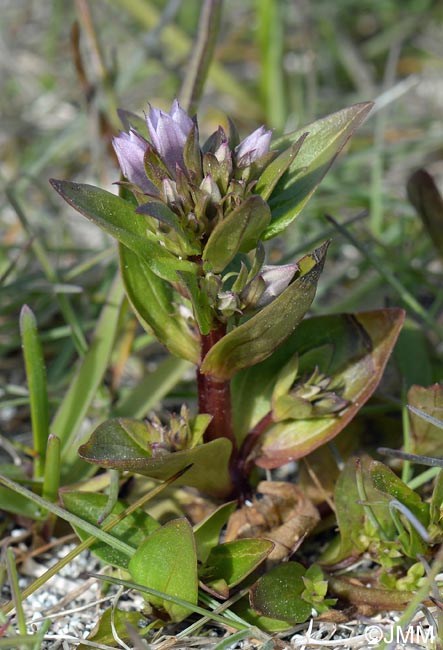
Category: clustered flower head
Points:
column 200, row 203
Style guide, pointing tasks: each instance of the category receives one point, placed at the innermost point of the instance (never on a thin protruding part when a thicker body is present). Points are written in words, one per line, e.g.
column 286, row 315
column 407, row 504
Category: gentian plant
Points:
column 191, row 223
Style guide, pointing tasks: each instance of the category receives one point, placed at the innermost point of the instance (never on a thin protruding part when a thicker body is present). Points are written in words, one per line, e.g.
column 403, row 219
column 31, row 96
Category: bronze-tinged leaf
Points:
column 427, row 200
column 363, row 343
column 427, row 438
column 280, row 512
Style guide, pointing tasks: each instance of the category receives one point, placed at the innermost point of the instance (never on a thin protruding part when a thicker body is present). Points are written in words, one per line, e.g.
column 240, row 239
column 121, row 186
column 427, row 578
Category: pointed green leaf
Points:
column 277, row 594
column 200, row 303
column 165, row 215
column 326, row 138
column 240, row 230
column 124, row 444
column 132, row 529
column 233, row 561
column 152, row 300
column 258, row 337
column 119, row 219
column 38, row 394
column 275, row 170
column 167, row 561
column 207, row 532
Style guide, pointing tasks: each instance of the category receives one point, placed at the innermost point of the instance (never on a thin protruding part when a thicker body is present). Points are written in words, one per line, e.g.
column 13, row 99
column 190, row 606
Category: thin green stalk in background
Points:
column 202, row 54
column 38, row 394
column 16, row 595
column 271, row 44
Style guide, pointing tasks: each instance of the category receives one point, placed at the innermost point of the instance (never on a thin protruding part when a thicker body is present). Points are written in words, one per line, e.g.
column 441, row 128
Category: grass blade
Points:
column 38, row 395
column 89, row 376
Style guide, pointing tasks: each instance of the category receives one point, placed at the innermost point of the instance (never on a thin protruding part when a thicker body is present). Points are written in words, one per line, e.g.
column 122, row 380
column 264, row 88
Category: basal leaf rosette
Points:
column 335, row 364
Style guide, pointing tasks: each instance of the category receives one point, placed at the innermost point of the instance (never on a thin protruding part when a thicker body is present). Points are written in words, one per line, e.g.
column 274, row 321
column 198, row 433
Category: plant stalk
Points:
column 214, row 395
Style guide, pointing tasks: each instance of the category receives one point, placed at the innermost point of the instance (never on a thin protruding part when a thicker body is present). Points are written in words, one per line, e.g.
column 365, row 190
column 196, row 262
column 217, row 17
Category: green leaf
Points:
column 426, row 436
column 200, row 303
column 257, row 338
column 389, row 483
column 278, row 594
column 165, row 215
column 239, row 231
column 119, row 219
column 437, row 500
column 124, row 444
column 271, row 625
column 132, row 529
column 14, row 503
column 326, row 138
column 38, row 394
column 207, row 532
column 275, row 170
column 103, row 633
column 231, row 562
column 352, row 349
column 167, row 561
column 152, row 300
column 350, row 518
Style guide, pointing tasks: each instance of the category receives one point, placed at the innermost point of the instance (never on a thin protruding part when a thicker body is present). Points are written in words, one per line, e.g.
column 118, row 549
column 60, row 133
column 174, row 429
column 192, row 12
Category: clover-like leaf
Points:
column 257, row 338
column 132, row 529
column 278, row 594
column 352, row 349
column 119, row 219
column 326, row 138
column 167, row 561
column 124, row 444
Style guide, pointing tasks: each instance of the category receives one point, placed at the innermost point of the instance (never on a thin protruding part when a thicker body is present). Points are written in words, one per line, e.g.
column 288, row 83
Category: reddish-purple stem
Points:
column 214, row 395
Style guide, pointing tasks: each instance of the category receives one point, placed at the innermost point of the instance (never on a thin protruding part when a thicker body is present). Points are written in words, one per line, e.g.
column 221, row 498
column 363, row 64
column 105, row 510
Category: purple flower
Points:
column 130, row 149
column 267, row 285
column 276, row 279
column 254, row 146
column 169, row 132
